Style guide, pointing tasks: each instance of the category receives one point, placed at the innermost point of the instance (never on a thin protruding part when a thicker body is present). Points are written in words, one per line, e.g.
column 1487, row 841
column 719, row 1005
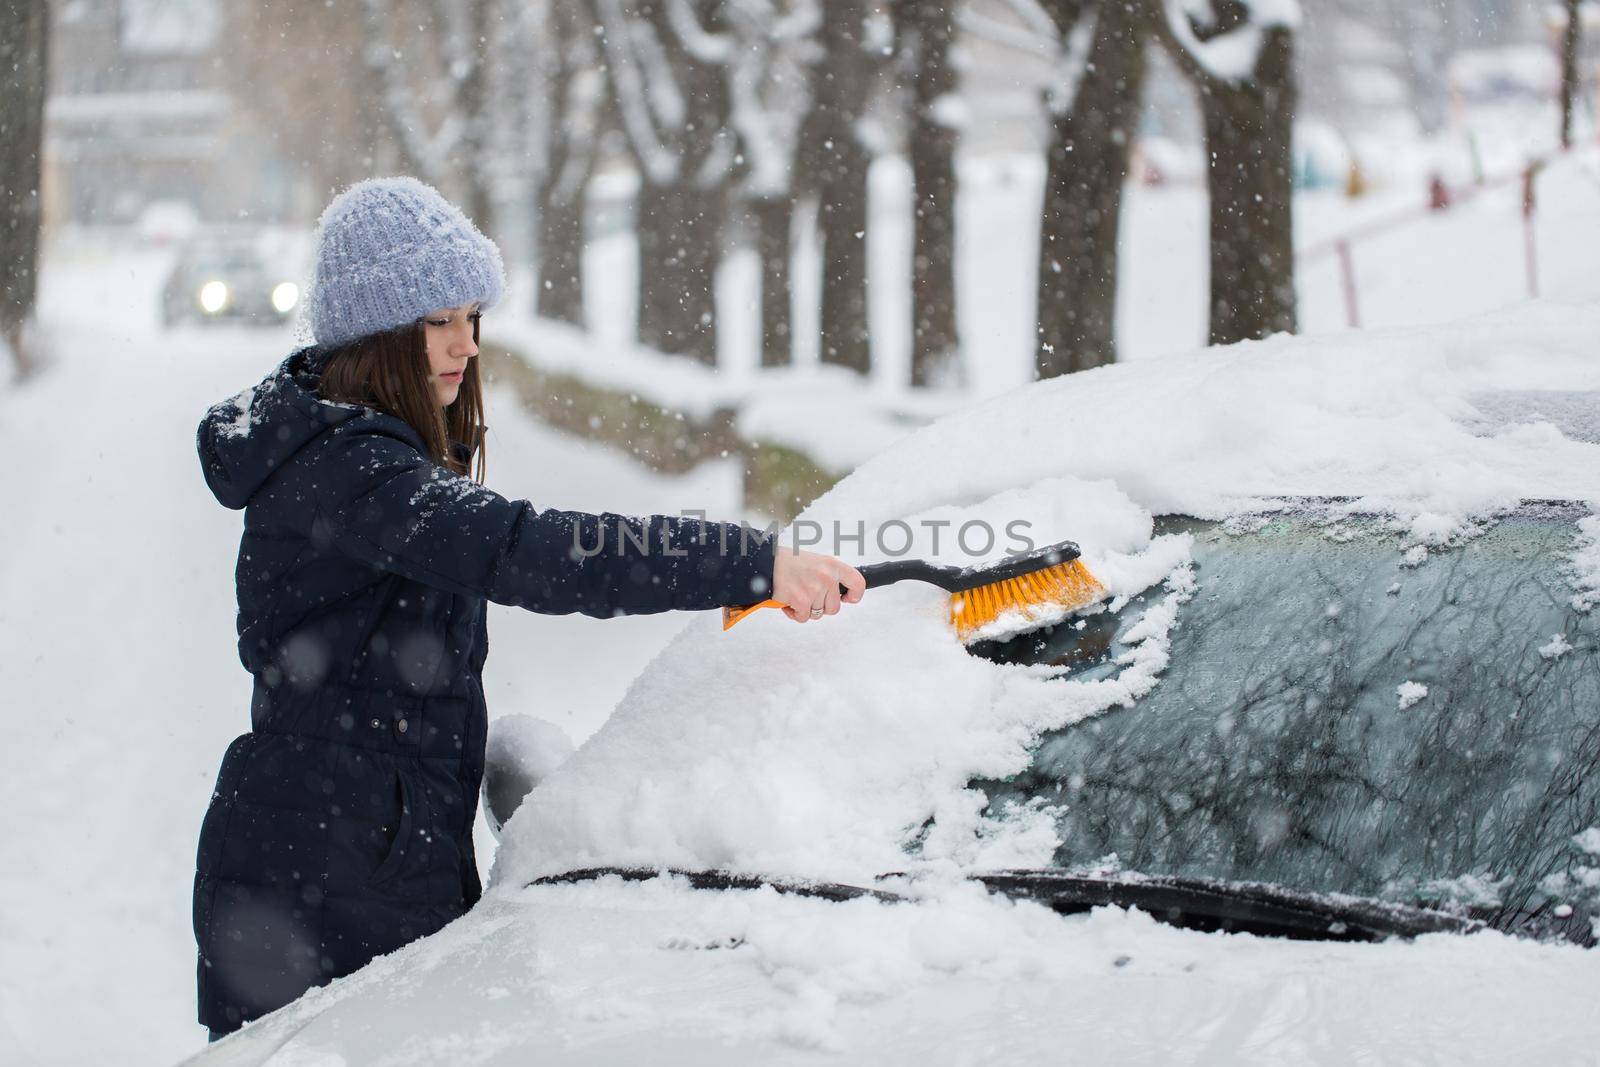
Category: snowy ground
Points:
column 116, row 599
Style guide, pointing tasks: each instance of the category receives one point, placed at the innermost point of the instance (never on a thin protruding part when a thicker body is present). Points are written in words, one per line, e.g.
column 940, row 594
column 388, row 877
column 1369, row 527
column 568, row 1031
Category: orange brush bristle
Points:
column 1061, row 588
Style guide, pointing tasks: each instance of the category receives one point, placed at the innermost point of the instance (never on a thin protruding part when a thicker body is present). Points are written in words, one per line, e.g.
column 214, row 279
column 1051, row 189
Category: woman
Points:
column 341, row 824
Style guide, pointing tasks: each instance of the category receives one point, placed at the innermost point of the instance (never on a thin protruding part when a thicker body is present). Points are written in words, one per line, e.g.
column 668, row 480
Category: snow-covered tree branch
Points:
column 1224, row 39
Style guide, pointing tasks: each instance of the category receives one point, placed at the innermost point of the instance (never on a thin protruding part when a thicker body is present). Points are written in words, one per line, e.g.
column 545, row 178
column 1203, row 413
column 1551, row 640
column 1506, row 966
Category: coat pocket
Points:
column 396, row 856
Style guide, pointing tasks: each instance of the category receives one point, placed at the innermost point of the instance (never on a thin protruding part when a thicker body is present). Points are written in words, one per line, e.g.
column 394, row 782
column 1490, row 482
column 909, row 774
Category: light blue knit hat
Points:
column 390, row 250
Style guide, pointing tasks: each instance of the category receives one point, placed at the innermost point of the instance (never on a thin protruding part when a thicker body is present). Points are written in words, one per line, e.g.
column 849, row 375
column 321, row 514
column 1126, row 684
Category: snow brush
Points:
column 1054, row 576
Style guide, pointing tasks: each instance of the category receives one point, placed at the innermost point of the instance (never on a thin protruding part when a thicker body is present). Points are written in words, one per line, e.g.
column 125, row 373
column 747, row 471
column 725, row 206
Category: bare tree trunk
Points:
column 1251, row 181
column 1248, row 118
column 691, row 324
column 935, row 345
column 1087, row 168
column 1569, row 68
column 770, row 77
column 775, row 227
column 680, row 246
column 842, row 224
column 25, row 69
column 560, row 256
column 839, row 165
column 681, row 207
column 472, row 158
column 566, row 123
column 654, row 211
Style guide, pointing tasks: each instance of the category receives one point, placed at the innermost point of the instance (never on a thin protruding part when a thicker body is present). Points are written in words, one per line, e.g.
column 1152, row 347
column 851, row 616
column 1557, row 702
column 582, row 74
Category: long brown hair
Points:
column 389, row 371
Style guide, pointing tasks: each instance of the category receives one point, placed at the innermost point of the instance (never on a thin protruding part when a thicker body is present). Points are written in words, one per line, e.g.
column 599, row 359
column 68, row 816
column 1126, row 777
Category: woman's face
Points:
column 450, row 345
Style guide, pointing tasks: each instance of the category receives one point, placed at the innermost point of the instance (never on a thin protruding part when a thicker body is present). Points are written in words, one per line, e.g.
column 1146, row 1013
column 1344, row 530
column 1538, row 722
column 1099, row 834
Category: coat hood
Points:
column 246, row 438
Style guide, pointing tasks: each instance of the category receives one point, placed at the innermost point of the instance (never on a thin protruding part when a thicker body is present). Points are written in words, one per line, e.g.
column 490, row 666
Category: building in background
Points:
column 139, row 115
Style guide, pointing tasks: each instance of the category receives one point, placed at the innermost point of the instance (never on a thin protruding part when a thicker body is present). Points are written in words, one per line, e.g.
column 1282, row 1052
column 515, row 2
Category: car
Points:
column 225, row 278
column 1315, row 781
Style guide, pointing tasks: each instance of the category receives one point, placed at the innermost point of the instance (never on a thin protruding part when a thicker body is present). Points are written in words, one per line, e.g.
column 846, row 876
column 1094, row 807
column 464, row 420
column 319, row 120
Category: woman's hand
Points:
column 808, row 581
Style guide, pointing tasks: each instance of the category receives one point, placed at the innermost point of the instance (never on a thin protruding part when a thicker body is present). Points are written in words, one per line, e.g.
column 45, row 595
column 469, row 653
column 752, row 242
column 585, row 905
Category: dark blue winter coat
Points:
column 341, row 824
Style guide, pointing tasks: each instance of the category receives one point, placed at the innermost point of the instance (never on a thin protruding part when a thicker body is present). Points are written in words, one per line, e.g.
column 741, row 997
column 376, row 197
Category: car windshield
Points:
column 1341, row 717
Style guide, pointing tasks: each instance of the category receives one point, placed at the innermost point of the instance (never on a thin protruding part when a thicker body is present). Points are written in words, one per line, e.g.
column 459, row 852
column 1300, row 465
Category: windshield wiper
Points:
column 722, row 880
column 1192, row 903
column 1240, row 907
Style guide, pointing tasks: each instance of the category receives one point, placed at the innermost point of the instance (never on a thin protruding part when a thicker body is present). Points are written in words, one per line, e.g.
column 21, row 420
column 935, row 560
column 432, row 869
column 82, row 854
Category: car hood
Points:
column 613, row 972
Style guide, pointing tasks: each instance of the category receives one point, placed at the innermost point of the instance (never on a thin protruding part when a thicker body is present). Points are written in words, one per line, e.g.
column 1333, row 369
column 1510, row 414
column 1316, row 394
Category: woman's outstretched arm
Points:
column 380, row 500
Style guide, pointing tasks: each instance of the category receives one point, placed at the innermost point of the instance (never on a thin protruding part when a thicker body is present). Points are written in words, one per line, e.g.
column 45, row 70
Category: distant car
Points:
column 227, row 280
column 1284, row 804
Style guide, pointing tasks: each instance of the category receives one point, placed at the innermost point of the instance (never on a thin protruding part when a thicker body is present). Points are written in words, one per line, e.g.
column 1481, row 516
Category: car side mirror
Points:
column 522, row 752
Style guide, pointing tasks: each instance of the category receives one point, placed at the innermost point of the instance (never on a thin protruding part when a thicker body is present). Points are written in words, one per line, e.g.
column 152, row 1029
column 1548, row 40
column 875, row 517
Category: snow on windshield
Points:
column 824, row 750
column 1586, row 564
column 819, row 750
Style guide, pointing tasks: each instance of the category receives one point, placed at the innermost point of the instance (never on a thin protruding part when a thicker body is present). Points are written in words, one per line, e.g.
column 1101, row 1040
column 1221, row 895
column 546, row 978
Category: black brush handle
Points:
column 899, row 570
column 957, row 579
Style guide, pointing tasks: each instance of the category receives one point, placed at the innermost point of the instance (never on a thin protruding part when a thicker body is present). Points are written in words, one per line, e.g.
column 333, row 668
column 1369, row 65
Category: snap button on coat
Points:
column 364, row 576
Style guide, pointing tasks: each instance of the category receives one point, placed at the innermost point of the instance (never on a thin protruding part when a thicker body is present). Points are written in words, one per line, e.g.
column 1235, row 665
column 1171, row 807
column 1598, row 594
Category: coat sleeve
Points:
column 380, row 500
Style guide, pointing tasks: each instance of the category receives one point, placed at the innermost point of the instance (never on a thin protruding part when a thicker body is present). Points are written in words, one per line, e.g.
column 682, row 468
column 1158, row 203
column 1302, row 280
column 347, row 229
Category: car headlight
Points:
column 285, row 296
column 213, row 297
